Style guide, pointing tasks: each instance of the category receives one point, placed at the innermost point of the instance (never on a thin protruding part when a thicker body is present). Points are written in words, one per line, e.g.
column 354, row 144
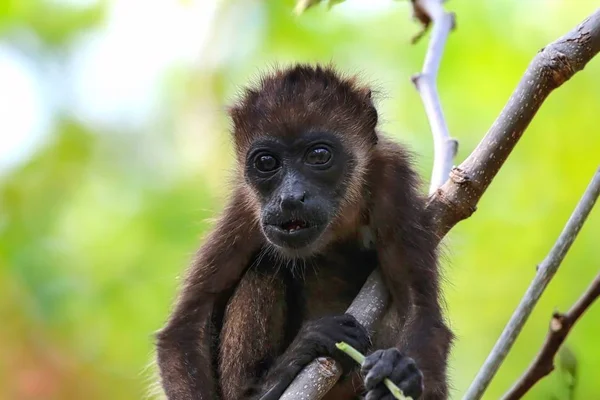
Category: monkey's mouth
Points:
column 294, row 225
column 294, row 233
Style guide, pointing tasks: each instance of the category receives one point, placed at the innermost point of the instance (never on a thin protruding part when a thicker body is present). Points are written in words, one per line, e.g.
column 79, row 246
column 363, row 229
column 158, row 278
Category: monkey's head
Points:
column 303, row 139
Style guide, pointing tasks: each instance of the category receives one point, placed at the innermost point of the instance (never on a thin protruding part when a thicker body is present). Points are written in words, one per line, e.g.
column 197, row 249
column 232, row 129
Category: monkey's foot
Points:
column 395, row 366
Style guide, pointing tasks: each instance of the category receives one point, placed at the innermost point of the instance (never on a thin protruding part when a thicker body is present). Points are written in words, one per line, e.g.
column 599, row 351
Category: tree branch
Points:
column 445, row 147
column 457, row 198
column 545, row 272
column 560, row 326
column 552, row 66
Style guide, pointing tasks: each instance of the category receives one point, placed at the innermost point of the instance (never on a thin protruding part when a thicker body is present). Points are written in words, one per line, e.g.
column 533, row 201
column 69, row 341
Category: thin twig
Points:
column 444, row 146
column 545, row 272
column 560, row 326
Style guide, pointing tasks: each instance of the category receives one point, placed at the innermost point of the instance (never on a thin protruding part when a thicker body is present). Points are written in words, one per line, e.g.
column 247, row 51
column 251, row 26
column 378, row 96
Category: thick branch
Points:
column 552, row 66
column 445, row 147
column 546, row 271
column 560, row 326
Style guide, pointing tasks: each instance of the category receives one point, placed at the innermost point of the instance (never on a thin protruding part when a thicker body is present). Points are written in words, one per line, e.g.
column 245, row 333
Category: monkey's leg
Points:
column 183, row 345
column 253, row 330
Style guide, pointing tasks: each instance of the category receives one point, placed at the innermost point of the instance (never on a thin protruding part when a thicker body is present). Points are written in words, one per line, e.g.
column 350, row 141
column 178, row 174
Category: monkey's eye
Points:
column 266, row 163
column 318, row 156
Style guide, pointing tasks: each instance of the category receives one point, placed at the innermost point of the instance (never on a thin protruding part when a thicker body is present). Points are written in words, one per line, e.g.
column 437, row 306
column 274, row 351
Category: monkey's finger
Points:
column 370, row 361
column 354, row 336
column 347, row 320
column 412, row 386
column 379, row 392
column 359, row 343
column 378, row 373
column 355, row 333
column 403, row 368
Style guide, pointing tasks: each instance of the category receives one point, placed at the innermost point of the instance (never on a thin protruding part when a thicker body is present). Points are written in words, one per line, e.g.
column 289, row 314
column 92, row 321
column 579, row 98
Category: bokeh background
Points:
column 114, row 152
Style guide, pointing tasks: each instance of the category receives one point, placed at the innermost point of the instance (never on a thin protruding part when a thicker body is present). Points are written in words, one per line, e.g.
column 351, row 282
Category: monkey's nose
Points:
column 292, row 200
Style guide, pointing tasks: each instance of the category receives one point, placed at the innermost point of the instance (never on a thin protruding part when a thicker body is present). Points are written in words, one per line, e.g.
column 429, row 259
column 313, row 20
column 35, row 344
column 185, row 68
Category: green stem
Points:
column 359, row 358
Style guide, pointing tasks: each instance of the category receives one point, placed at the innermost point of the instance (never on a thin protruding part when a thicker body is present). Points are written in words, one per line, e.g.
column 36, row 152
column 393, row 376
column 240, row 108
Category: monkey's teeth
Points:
column 294, row 226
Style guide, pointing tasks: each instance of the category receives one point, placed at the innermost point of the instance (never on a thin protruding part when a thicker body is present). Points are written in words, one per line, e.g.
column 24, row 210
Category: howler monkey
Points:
column 321, row 199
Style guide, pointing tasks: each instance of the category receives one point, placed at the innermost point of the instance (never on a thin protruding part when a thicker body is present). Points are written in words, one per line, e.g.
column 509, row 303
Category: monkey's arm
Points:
column 184, row 344
column 425, row 337
column 406, row 247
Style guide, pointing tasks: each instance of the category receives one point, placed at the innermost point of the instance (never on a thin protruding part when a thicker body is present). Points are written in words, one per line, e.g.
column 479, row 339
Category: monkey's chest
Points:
column 334, row 280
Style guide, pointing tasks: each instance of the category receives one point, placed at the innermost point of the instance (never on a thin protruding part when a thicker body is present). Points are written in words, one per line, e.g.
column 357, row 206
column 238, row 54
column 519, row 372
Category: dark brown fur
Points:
column 242, row 304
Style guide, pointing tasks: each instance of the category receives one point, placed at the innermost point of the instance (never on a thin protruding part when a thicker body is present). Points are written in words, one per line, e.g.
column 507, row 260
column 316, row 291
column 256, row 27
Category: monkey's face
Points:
column 300, row 181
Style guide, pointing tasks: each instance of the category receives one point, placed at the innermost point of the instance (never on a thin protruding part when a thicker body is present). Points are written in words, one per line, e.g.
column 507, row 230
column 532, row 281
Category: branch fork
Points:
column 560, row 327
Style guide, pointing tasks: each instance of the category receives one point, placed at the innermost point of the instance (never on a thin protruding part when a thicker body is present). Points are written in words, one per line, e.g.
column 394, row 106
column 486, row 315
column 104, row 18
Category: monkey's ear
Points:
column 239, row 119
column 234, row 112
column 230, row 109
column 366, row 92
column 366, row 95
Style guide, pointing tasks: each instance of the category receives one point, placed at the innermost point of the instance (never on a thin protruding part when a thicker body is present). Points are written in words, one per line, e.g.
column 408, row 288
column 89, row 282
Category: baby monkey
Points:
column 320, row 199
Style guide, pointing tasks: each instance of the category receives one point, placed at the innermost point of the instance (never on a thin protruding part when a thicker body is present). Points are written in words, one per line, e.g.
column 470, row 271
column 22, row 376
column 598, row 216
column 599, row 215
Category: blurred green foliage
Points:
column 53, row 23
column 96, row 226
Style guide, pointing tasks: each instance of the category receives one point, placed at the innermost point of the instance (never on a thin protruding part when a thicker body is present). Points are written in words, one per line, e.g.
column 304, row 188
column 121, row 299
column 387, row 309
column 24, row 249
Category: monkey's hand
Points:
column 318, row 338
column 395, row 366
